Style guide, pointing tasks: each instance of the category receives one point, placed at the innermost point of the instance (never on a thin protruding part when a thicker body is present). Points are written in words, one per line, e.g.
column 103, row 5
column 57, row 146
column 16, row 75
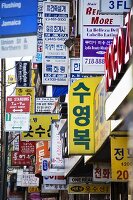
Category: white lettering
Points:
column 11, row 23
column 11, row 5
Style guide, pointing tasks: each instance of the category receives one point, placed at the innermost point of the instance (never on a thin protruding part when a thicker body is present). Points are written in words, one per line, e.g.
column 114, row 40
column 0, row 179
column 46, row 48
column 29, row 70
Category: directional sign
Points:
column 17, row 122
column 18, row 104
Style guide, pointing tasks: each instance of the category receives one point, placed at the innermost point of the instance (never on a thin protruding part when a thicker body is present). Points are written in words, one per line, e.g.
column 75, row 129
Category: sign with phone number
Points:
column 121, row 159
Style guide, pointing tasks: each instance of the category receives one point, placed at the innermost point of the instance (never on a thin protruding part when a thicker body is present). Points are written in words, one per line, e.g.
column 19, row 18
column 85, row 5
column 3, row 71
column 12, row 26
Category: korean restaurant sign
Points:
column 101, row 172
column 102, row 126
column 121, row 159
column 119, row 53
column 88, row 188
column 81, row 116
column 96, row 36
column 115, row 6
column 20, row 91
column 56, row 53
column 40, row 128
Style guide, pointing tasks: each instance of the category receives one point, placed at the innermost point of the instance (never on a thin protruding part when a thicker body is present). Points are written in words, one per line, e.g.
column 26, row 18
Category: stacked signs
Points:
column 16, row 19
column 17, row 113
column 56, row 32
column 97, row 34
column 23, row 73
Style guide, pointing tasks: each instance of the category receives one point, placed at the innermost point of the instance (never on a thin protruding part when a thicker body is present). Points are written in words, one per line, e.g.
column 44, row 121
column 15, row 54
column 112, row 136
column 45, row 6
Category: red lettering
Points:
column 90, row 11
column 98, row 20
column 119, row 53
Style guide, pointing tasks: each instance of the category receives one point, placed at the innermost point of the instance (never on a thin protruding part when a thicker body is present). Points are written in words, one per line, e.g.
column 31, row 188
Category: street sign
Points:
column 17, row 122
column 15, row 104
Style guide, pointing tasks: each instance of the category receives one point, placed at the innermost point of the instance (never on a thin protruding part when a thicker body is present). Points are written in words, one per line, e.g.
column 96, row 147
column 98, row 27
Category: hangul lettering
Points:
column 98, row 172
column 119, row 154
column 81, row 137
column 28, row 133
column 83, row 115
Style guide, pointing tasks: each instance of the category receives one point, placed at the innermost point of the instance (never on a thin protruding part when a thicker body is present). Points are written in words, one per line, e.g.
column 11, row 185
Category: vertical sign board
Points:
column 22, row 69
column 56, row 159
column 38, row 58
column 121, row 159
column 75, row 70
column 115, row 6
column 102, row 126
column 97, row 34
column 81, row 116
column 56, row 54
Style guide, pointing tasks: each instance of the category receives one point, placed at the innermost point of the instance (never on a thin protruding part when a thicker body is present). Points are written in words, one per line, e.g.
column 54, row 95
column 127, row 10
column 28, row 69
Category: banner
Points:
column 56, row 158
column 81, row 116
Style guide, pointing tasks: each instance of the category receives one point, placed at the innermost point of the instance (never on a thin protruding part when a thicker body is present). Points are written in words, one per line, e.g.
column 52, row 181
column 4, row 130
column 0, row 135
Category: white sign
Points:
column 56, row 54
column 28, row 180
column 59, row 180
column 45, row 104
column 98, row 32
column 101, row 172
column 75, row 70
column 48, row 191
column 56, row 159
column 115, row 6
column 47, row 171
column 80, row 179
column 18, row 46
column 54, row 187
column 17, row 122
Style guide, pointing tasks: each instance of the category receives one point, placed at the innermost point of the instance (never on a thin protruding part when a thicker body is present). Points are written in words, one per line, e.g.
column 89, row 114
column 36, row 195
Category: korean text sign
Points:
column 40, row 127
column 121, row 159
column 81, row 116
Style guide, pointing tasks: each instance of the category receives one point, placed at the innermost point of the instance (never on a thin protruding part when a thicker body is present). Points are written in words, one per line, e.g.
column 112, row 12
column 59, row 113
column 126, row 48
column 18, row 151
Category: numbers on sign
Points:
column 111, row 5
column 122, row 175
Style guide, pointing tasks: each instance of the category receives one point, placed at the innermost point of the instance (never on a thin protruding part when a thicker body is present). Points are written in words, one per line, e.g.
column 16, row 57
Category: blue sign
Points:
column 45, row 165
column 10, row 8
column 13, row 26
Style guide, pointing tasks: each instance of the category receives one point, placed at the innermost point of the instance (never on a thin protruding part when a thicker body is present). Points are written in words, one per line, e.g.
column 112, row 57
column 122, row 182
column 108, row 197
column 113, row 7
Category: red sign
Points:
column 119, row 53
column 18, row 159
column 18, row 104
column 26, row 147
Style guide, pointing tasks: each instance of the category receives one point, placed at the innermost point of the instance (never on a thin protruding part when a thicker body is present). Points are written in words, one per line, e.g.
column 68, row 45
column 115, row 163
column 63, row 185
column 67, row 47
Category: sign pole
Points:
column 4, row 135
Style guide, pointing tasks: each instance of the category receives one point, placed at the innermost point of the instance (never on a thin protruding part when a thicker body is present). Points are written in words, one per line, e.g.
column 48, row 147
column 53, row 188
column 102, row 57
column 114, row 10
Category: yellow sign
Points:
column 33, row 189
column 11, row 79
column 40, row 128
column 121, row 160
column 102, row 127
column 27, row 91
column 81, row 116
column 88, row 188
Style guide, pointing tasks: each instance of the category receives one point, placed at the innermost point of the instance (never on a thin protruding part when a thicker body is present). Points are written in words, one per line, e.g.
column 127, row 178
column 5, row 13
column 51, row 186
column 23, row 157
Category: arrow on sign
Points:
column 14, row 127
column 17, row 110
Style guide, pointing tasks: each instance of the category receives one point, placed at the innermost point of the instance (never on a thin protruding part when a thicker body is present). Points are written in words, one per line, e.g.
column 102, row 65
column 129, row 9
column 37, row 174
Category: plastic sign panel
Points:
column 58, row 180
column 29, row 180
column 20, row 91
column 40, row 128
column 97, row 34
column 101, row 172
column 27, row 147
column 18, row 46
column 54, row 187
column 18, row 104
column 56, row 53
column 115, row 6
column 17, row 122
column 17, row 8
column 81, row 116
column 88, row 188
column 79, row 180
column 121, row 159
column 102, row 126
column 45, row 104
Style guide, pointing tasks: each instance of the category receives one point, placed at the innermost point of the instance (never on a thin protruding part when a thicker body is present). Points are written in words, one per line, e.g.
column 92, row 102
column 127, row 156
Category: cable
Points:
column 14, row 66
